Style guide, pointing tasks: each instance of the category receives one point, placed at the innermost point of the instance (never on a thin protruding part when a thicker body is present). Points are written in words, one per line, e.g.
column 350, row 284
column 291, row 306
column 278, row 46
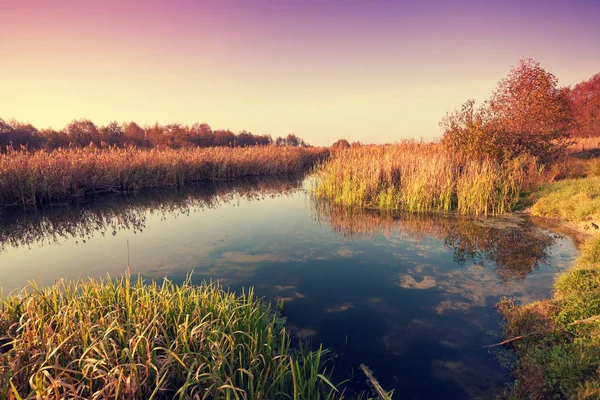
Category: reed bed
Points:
column 421, row 177
column 42, row 177
column 127, row 339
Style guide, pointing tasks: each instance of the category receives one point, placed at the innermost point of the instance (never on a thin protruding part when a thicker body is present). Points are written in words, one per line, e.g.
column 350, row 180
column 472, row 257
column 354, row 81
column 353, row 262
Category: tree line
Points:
column 83, row 133
column 527, row 114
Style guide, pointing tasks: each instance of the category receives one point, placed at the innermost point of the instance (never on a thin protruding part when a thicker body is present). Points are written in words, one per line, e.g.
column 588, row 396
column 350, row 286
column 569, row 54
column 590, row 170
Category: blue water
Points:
column 410, row 296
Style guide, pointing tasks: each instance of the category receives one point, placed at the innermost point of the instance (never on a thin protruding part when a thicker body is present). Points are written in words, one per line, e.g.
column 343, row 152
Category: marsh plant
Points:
column 42, row 176
column 129, row 339
column 422, row 177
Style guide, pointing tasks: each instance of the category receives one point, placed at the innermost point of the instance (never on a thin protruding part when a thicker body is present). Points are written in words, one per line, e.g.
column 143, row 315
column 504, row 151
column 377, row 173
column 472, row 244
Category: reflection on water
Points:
column 31, row 225
column 411, row 296
column 512, row 247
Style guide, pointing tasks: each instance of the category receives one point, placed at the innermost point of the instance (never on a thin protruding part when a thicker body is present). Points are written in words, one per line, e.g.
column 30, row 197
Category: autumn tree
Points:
column 54, row 139
column 201, row 134
column 528, row 113
column 340, row 144
column 585, row 104
column 82, row 133
column 135, row 135
column 112, row 134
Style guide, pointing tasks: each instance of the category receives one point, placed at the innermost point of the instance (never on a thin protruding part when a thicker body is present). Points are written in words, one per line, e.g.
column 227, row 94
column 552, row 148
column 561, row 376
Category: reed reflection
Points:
column 110, row 214
column 507, row 244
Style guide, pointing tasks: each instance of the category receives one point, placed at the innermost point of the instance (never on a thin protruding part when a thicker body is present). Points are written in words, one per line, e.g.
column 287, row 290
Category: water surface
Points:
column 411, row 296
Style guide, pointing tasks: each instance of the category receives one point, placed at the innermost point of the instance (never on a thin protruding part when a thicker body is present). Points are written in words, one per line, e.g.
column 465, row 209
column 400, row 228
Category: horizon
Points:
column 374, row 72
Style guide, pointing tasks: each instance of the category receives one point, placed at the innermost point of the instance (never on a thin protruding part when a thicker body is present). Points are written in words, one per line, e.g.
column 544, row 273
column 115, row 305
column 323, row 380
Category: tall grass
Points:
column 42, row 177
column 132, row 340
column 421, row 177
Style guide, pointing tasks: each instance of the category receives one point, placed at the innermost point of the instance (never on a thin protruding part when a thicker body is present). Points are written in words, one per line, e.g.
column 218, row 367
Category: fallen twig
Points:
column 376, row 386
column 581, row 321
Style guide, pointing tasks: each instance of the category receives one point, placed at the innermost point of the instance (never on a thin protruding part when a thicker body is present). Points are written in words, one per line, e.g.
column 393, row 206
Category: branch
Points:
column 578, row 322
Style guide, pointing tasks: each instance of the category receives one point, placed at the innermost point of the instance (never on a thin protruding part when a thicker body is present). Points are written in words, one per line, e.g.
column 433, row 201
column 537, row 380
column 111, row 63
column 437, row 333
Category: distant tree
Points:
column 54, row 139
column 112, row 134
column 201, row 134
column 340, row 144
column 82, row 132
column 585, row 104
column 223, row 137
column 135, row 135
column 5, row 132
column 527, row 114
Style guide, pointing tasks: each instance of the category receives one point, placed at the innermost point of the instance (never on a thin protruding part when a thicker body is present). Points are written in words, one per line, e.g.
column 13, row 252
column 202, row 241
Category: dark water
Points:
column 411, row 296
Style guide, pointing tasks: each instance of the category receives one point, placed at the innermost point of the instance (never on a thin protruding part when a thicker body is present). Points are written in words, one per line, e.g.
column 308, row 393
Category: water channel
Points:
column 411, row 296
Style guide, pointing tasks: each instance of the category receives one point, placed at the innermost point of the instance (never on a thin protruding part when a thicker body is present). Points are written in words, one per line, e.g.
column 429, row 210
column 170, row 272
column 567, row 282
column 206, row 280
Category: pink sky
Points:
column 374, row 71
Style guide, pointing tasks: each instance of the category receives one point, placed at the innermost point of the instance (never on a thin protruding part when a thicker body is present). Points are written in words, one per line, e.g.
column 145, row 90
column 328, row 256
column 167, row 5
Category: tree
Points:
column 340, row 144
column 54, row 139
column 112, row 134
column 468, row 131
column 135, row 135
column 201, row 134
column 82, row 132
column 527, row 114
column 530, row 112
column 585, row 104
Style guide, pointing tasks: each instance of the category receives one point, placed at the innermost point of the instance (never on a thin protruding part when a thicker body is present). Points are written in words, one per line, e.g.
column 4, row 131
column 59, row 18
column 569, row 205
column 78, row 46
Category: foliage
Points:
column 340, row 145
column 135, row 340
column 83, row 132
column 421, row 177
column 585, row 103
column 42, row 176
column 528, row 114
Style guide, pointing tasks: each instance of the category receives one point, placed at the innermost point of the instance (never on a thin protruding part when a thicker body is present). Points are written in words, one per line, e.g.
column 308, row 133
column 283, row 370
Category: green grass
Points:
column 572, row 200
column 559, row 359
column 134, row 340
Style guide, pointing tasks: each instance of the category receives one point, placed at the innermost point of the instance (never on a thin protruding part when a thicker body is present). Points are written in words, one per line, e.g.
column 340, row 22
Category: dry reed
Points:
column 421, row 177
column 42, row 177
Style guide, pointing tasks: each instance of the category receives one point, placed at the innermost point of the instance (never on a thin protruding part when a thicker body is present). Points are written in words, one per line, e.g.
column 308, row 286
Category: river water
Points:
column 410, row 296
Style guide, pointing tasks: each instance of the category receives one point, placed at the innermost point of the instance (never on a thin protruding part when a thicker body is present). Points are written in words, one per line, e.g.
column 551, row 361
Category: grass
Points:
column 573, row 200
column 559, row 356
column 134, row 340
column 43, row 177
column 421, row 177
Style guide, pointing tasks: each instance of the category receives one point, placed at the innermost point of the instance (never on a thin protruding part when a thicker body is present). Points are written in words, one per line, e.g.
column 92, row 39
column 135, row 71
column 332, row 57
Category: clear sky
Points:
column 369, row 70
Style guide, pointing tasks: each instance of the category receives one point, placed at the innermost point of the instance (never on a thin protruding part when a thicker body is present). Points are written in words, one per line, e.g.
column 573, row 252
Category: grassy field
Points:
column 421, row 177
column 42, row 177
column 133, row 340
column 559, row 355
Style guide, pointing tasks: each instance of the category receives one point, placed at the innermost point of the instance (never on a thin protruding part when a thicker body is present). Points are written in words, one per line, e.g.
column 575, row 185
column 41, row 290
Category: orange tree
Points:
column 528, row 113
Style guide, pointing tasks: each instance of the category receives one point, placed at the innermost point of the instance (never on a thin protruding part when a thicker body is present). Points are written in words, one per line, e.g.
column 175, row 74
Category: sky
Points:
column 374, row 71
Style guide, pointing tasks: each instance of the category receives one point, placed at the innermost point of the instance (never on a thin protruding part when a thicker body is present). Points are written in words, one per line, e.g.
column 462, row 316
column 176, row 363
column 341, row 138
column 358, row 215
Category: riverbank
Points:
column 42, row 177
column 558, row 345
column 132, row 339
